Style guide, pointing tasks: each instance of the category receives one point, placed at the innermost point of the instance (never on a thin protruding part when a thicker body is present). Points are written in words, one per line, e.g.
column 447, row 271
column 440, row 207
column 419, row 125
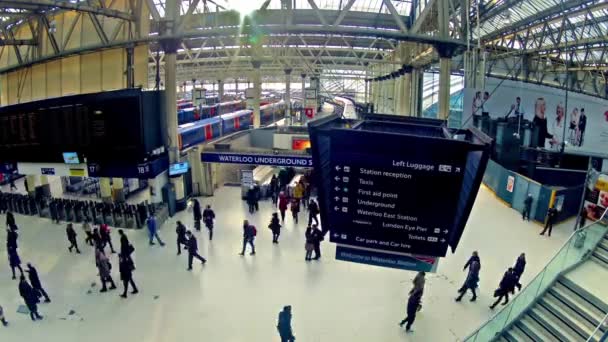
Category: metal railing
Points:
column 579, row 246
column 597, row 332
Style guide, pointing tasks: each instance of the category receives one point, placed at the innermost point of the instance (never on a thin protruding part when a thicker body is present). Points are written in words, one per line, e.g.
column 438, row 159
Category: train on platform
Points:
column 194, row 133
column 187, row 112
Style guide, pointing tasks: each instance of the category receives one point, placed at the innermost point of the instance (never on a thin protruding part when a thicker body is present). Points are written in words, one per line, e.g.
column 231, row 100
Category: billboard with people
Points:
column 581, row 122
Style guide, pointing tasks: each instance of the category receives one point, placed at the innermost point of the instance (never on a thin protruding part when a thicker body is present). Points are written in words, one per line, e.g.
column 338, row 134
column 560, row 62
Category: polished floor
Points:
column 234, row 298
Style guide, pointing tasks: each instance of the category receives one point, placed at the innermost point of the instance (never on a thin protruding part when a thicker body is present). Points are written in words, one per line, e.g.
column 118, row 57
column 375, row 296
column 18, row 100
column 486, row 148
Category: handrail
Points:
column 604, row 321
column 541, row 274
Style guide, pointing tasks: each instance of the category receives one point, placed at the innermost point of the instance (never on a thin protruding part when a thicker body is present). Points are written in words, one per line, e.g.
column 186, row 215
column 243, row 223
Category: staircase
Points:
column 566, row 311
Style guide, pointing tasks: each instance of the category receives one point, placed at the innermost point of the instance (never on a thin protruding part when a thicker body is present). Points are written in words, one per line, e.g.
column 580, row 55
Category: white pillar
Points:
column 220, row 89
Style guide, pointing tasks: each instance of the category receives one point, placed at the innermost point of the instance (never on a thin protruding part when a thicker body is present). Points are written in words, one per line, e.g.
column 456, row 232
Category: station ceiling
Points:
column 563, row 42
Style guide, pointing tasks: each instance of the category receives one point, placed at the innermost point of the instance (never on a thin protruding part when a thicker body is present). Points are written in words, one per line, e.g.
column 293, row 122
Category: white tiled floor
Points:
column 235, row 298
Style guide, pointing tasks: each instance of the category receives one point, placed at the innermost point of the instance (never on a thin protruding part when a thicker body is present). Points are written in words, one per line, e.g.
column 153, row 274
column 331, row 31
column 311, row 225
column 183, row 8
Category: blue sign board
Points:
column 257, row 159
column 384, row 259
column 49, row 171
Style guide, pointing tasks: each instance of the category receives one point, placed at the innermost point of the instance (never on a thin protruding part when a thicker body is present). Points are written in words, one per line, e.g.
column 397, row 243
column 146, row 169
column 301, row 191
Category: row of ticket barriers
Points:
column 121, row 215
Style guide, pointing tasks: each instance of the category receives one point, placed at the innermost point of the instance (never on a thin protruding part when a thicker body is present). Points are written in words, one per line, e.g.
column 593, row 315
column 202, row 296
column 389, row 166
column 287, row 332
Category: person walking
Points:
column 180, row 230
column 36, row 284
column 30, row 297
column 86, row 227
column 313, row 211
column 97, row 240
column 507, row 284
column 309, row 246
column 551, row 215
column 10, row 219
column 249, row 233
column 126, row 268
column 283, row 202
column 413, row 302
column 284, row 325
column 275, row 227
column 2, row 318
column 14, row 261
column 295, row 209
column 196, row 212
column 298, row 190
column 193, row 250
column 472, row 279
column 208, row 217
column 474, row 257
column 317, row 237
column 71, row 234
column 274, row 189
column 106, row 238
column 153, row 231
column 519, row 268
column 126, row 248
column 527, row 208
column 11, row 238
column 105, row 270
column 418, row 283
column 251, row 199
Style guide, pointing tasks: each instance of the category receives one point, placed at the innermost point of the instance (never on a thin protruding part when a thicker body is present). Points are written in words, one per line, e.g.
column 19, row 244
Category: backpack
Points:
column 255, row 231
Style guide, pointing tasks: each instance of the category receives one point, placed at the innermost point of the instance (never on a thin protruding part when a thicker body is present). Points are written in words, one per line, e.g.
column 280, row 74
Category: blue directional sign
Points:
column 384, row 259
column 257, row 159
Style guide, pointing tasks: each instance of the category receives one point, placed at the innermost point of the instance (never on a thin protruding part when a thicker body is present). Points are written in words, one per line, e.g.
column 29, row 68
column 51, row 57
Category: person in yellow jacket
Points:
column 298, row 191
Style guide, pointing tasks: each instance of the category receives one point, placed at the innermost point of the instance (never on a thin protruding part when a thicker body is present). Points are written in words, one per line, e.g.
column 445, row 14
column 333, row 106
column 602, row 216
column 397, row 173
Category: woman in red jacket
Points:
column 283, row 202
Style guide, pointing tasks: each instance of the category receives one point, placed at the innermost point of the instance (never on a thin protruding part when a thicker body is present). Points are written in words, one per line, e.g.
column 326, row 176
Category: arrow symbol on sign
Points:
column 446, row 231
column 336, row 208
column 442, row 240
column 337, row 198
column 337, row 178
column 338, row 168
column 337, row 188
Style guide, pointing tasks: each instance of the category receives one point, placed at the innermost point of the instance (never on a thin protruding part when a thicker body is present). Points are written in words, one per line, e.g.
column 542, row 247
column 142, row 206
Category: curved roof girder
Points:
column 38, row 5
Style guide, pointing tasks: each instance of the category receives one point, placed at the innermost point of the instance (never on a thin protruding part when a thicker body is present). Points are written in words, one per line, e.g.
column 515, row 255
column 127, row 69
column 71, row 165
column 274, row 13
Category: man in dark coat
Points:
column 104, row 232
column 471, row 281
column 274, row 189
column 317, row 237
column 313, row 211
column 180, row 230
column 36, row 284
column 208, row 217
column 275, row 227
column 196, row 211
column 507, row 284
column 474, row 257
column 284, row 325
column 251, row 194
column 11, row 238
column 551, row 215
column 126, row 249
column 71, row 233
column 30, row 297
column 249, row 233
column 518, row 269
column 14, row 261
column 413, row 303
column 193, row 250
column 126, row 267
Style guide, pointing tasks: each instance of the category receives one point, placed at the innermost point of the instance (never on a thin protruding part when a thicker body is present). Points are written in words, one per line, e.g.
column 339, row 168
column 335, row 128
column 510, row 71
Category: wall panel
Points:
column 39, row 82
column 90, row 73
column 70, row 75
column 53, row 78
column 113, row 65
column 141, row 66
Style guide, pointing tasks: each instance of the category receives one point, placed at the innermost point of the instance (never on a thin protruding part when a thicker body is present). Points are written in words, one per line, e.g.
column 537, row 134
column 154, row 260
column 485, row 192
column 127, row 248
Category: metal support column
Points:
column 302, row 116
column 257, row 92
column 130, row 72
column 416, row 92
column 406, row 104
column 444, row 88
column 220, row 90
column 288, row 117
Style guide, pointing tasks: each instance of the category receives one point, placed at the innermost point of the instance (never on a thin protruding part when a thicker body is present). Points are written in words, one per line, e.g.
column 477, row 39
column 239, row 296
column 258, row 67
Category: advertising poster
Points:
column 585, row 120
column 510, row 183
column 596, row 199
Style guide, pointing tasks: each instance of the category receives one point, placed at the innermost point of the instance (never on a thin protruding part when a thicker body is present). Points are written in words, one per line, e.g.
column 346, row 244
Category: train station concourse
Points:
column 310, row 170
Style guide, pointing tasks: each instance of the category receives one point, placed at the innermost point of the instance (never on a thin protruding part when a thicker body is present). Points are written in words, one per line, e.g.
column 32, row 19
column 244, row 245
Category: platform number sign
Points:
column 143, row 169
